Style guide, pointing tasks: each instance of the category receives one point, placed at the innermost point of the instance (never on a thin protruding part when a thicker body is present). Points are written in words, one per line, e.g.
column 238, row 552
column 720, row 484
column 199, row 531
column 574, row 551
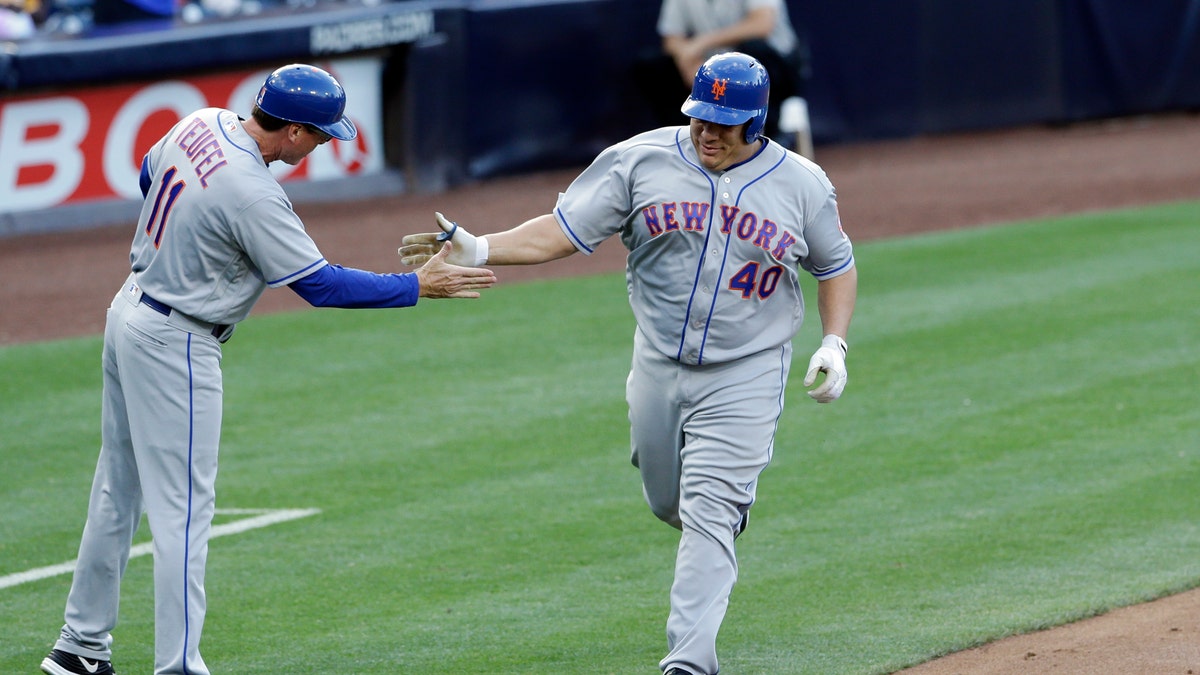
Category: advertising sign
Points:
column 87, row 144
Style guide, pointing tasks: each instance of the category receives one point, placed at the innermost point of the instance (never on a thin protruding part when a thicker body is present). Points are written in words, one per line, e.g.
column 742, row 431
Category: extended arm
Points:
column 349, row 288
column 537, row 240
column 337, row 286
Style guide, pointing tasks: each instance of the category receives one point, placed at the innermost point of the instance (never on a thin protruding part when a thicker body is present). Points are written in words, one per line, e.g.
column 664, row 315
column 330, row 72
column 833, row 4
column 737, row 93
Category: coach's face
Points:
column 301, row 140
column 720, row 146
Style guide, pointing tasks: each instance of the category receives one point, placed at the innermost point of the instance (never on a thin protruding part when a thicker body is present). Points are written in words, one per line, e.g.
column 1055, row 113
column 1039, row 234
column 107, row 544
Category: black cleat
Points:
column 62, row 663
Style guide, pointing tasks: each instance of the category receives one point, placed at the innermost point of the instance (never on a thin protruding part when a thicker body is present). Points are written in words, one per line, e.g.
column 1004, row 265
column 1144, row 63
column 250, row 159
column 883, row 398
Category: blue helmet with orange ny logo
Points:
column 731, row 88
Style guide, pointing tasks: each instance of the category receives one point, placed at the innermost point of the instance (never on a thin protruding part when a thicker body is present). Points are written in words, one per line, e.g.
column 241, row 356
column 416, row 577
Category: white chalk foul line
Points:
column 264, row 518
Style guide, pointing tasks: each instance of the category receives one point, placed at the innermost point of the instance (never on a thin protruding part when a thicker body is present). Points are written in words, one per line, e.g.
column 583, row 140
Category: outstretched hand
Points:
column 469, row 250
column 439, row 278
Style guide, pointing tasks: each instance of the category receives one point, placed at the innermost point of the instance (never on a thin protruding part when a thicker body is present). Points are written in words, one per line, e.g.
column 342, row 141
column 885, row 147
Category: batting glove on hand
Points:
column 468, row 250
column 830, row 358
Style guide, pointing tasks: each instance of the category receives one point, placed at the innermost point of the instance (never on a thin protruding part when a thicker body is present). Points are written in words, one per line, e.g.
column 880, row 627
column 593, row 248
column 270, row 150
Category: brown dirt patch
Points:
column 58, row 285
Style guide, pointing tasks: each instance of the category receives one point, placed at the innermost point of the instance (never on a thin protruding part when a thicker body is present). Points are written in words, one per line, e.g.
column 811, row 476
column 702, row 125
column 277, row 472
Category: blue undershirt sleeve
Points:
column 144, row 178
column 349, row 288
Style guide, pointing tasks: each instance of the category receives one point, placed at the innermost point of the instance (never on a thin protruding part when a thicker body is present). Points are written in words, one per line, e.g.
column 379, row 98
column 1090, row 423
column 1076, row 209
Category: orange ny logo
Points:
column 718, row 88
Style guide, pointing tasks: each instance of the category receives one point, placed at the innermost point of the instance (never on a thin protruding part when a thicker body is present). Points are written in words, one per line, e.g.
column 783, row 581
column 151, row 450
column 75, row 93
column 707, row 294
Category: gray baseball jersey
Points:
column 713, row 275
column 219, row 219
column 216, row 229
column 714, row 259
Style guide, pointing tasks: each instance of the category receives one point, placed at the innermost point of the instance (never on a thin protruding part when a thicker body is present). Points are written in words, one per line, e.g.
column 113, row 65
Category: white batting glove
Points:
column 469, row 250
column 830, row 358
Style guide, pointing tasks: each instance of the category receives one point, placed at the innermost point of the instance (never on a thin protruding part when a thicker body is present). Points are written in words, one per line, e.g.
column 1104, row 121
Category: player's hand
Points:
column 469, row 250
column 830, row 358
column 439, row 278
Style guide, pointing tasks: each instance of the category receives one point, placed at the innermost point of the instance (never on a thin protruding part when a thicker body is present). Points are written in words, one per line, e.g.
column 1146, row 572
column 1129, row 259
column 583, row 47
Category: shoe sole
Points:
column 51, row 667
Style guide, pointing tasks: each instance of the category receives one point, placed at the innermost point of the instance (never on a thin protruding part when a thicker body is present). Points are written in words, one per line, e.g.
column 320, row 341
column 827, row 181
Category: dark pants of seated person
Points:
column 108, row 12
column 664, row 90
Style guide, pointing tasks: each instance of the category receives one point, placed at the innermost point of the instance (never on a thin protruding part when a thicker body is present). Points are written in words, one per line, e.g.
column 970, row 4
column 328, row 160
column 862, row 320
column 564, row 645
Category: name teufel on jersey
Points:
column 748, row 226
column 200, row 144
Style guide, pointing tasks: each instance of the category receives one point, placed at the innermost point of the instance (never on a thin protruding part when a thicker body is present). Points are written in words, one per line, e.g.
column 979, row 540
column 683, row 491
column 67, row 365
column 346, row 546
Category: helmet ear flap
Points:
column 731, row 88
column 754, row 128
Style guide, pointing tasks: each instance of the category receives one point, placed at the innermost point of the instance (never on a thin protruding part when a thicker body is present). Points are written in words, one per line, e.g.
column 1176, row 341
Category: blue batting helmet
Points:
column 730, row 88
column 307, row 95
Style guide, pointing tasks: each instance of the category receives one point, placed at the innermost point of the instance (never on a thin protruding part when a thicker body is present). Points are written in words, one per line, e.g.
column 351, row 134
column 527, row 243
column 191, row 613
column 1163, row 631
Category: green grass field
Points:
column 1017, row 448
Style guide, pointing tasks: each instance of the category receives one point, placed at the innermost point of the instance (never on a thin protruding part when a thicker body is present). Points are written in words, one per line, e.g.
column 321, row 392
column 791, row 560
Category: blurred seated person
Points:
column 19, row 18
column 693, row 30
column 109, row 12
column 200, row 10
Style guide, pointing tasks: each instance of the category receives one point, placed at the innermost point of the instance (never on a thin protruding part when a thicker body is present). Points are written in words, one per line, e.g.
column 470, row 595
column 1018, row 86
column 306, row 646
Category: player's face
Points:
column 720, row 145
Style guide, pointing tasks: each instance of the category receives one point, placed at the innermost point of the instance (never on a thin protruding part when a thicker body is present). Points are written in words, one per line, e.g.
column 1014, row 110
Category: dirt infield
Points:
column 58, row 285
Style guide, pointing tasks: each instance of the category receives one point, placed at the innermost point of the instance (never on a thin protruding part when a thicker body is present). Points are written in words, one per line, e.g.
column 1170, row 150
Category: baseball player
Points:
column 216, row 230
column 719, row 222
